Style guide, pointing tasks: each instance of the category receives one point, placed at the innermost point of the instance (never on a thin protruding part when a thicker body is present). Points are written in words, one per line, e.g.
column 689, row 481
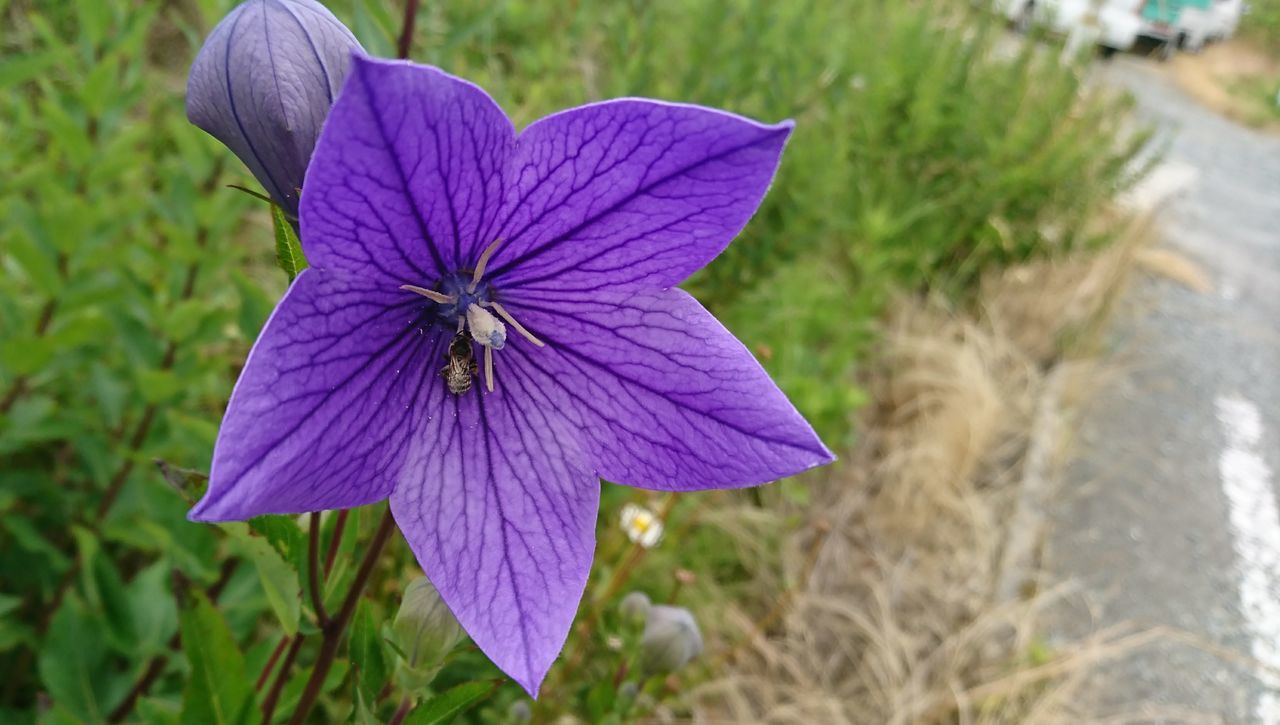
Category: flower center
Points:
column 454, row 287
column 464, row 301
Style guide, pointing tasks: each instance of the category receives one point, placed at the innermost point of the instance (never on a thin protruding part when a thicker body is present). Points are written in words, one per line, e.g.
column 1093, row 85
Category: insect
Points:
column 462, row 366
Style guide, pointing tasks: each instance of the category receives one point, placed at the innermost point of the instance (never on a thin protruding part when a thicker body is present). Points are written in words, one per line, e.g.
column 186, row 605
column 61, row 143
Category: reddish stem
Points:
column 406, row 30
column 273, row 697
column 332, row 632
column 271, row 662
column 402, row 711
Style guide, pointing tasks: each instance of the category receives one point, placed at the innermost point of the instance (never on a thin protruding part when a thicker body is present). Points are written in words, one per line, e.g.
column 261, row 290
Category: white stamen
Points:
column 485, row 328
column 502, row 312
column 430, row 294
column 484, row 261
column 488, row 368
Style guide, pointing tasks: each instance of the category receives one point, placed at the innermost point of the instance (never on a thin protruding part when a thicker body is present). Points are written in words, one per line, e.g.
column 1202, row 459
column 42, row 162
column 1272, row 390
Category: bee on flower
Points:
column 643, row 527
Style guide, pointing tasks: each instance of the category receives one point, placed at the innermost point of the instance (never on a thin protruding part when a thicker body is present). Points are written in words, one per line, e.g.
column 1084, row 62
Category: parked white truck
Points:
column 1112, row 24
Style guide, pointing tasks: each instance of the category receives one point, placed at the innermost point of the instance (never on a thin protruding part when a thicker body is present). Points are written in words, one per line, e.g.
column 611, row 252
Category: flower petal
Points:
column 407, row 176
column 263, row 83
column 321, row 415
column 664, row 396
column 631, row 192
column 501, row 515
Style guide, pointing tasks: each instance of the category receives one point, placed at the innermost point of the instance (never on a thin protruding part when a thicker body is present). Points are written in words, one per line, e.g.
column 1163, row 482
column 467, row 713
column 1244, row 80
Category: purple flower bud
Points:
column 264, row 82
column 671, row 639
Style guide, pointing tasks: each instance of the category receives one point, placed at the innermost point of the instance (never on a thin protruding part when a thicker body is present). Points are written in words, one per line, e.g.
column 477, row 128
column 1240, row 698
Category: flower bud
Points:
column 263, row 83
column 671, row 639
column 635, row 606
column 519, row 712
column 425, row 629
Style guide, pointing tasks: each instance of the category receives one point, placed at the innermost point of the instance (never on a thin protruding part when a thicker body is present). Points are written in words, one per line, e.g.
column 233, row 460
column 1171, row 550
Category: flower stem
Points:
column 332, row 630
column 402, row 711
column 406, row 30
column 623, row 572
column 273, row 696
column 313, row 570
column 271, row 662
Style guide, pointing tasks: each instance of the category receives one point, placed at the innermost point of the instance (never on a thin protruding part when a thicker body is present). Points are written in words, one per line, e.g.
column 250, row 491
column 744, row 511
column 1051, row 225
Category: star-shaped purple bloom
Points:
column 430, row 227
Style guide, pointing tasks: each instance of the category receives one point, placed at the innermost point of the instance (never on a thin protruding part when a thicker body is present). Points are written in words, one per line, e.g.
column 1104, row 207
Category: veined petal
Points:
column 321, row 416
column 263, row 83
column 407, row 176
column 499, row 507
column 663, row 396
column 630, row 192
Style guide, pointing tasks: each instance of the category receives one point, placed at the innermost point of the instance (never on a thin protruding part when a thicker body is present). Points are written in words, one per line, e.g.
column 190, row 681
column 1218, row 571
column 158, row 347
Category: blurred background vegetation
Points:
column 930, row 151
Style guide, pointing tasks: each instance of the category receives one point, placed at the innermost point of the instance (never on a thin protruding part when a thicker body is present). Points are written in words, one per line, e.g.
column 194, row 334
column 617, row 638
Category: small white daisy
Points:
column 641, row 525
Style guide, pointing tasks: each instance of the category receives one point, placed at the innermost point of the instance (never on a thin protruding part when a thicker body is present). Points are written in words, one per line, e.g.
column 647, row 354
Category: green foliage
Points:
column 1261, row 22
column 217, row 688
column 288, row 247
column 135, row 282
column 448, row 705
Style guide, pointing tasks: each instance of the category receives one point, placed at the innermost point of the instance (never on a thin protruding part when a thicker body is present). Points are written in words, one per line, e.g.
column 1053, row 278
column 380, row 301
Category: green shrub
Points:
column 1261, row 22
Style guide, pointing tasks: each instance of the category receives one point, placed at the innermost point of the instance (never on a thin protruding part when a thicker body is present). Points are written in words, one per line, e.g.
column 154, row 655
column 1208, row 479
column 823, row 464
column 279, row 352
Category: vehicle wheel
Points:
column 1166, row 50
column 1106, row 52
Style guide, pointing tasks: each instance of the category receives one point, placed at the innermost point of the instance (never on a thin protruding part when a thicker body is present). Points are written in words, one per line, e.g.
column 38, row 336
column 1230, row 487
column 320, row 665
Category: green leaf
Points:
column 32, row 541
column 153, row 711
column 39, row 264
column 255, row 306
column 367, row 654
column 218, row 689
column 8, row 603
column 452, row 702
column 107, row 593
column 184, row 317
column 72, row 661
column 26, row 354
column 371, row 25
column 21, row 67
column 157, row 385
column 14, row 632
column 288, row 247
column 155, row 614
column 279, row 579
column 283, row 533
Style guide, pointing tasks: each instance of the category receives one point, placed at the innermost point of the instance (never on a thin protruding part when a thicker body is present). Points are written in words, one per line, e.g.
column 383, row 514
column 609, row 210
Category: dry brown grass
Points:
column 895, row 615
column 1214, row 76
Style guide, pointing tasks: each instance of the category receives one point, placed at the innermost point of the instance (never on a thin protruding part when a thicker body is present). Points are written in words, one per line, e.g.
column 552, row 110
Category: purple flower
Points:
column 431, row 228
column 263, row 83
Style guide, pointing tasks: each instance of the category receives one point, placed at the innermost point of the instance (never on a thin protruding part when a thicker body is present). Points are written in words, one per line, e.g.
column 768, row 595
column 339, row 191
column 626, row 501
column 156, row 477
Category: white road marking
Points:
column 1255, row 524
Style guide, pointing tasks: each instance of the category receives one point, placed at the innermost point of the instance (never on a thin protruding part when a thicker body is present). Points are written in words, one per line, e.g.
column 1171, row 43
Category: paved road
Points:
column 1170, row 517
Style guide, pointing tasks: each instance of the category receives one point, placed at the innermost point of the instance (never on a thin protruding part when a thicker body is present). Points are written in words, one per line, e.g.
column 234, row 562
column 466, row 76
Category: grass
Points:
column 898, row 615
column 1238, row 79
